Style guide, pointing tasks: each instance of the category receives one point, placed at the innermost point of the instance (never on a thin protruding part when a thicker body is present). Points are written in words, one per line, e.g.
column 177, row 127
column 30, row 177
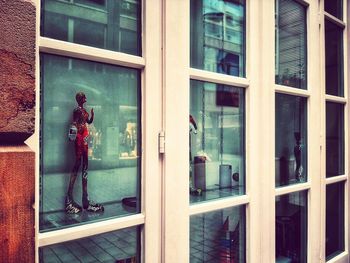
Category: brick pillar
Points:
column 16, row 200
column 17, row 118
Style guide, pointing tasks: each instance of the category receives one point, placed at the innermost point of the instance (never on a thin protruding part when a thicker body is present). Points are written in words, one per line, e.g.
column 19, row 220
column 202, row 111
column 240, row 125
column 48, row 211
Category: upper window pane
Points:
column 291, row 140
column 113, row 25
column 334, row 59
column 88, row 154
column 217, row 154
column 291, row 48
column 218, row 36
column 335, row 232
column 334, row 139
column 334, row 7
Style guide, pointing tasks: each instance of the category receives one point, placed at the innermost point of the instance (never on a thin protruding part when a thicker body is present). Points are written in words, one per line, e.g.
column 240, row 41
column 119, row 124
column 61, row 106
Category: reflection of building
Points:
column 113, row 22
column 223, row 31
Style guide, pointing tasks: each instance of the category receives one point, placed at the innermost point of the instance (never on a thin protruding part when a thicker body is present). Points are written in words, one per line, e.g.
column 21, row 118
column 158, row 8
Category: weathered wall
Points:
column 17, row 118
column 17, row 70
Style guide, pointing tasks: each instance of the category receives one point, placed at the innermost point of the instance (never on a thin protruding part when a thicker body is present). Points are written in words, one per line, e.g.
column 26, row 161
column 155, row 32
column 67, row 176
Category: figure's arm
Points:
column 92, row 117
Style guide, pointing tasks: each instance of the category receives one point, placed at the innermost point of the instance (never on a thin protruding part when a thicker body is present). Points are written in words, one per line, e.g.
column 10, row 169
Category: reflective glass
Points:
column 217, row 142
column 334, row 139
column 291, row 44
column 218, row 36
column 218, row 236
column 291, row 140
column 334, row 7
column 121, row 246
column 85, row 157
column 107, row 24
column 291, row 228
column 334, row 59
column 335, row 228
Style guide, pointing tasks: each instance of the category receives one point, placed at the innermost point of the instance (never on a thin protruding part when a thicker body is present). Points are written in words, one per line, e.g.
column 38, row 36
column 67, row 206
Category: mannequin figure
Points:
column 80, row 120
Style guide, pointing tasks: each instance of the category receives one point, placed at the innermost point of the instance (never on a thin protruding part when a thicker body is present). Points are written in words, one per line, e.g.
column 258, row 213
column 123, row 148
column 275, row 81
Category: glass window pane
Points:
column 291, row 41
column 218, row 36
column 112, row 25
column 291, row 139
column 335, row 232
column 334, row 59
column 334, row 139
column 217, row 153
column 291, row 228
column 102, row 161
column 334, row 7
column 118, row 247
column 218, row 236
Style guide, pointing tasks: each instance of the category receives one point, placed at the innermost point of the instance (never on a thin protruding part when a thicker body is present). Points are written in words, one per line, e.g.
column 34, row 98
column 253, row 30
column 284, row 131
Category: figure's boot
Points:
column 72, row 207
column 89, row 205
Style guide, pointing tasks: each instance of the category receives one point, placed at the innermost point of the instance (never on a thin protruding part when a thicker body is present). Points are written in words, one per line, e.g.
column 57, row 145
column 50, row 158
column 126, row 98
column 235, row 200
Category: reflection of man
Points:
column 80, row 120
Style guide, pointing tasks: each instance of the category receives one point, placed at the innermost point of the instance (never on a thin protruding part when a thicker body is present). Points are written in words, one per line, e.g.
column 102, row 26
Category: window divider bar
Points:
column 343, row 257
column 58, row 47
column 334, row 19
column 292, row 91
column 336, row 179
column 218, row 204
column 303, row 2
column 336, row 99
column 218, row 78
column 292, row 188
column 86, row 230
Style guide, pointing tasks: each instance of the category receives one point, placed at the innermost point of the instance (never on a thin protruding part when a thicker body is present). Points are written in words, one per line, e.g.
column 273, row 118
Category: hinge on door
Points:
column 161, row 142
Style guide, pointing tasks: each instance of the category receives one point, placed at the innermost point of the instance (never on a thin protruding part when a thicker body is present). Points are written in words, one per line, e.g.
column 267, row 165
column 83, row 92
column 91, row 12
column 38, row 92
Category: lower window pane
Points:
column 88, row 155
column 114, row 247
column 217, row 141
column 291, row 228
column 218, row 236
column 334, row 220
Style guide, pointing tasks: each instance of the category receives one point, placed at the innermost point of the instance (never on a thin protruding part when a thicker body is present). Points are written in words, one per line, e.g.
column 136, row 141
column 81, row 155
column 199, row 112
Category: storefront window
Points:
column 334, row 139
column 113, row 25
column 291, row 227
column 335, row 220
column 90, row 141
column 118, row 247
column 291, row 40
column 291, row 140
column 334, row 59
column 217, row 155
column 218, row 236
column 218, row 36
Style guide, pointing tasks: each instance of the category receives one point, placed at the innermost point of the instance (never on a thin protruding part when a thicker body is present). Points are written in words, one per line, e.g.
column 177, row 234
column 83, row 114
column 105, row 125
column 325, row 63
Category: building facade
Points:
column 174, row 131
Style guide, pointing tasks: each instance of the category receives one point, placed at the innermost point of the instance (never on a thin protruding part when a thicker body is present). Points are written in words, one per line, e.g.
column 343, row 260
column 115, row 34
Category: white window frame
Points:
column 165, row 86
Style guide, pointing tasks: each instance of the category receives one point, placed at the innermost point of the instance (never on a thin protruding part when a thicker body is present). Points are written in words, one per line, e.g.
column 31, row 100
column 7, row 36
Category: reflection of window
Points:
column 291, row 49
column 92, row 23
column 217, row 30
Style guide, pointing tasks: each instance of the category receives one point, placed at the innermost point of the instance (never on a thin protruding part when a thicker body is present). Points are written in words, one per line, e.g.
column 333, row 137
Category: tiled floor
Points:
column 107, row 248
